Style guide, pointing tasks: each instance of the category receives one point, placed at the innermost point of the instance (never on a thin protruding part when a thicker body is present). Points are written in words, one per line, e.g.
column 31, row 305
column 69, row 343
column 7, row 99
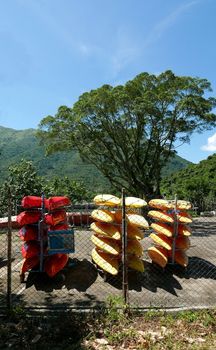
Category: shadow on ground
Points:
column 155, row 278
column 203, row 228
column 77, row 276
column 4, row 262
column 151, row 279
column 80, row 275
column 197, row 268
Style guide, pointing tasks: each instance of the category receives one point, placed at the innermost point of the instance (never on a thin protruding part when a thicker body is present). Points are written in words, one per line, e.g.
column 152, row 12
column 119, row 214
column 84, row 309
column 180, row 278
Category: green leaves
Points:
column 75, row 190
column 22, row 181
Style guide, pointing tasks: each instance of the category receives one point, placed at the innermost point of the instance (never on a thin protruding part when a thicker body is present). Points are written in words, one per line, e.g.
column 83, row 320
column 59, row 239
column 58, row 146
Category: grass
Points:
column 112, row 328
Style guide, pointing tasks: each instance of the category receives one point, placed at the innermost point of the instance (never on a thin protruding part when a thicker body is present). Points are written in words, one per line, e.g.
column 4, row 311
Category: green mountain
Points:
column 175, row 164
column 23, row 144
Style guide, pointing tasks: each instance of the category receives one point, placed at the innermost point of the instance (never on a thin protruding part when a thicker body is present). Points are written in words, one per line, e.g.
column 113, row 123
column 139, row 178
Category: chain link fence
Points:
column 87, row 283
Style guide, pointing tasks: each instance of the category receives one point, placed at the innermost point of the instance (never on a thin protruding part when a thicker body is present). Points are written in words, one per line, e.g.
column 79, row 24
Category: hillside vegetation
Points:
column 23, row 144
column 197, row 183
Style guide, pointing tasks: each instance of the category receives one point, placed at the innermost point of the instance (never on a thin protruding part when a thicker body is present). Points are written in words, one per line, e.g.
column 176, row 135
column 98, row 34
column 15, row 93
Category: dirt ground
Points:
column 84, row 286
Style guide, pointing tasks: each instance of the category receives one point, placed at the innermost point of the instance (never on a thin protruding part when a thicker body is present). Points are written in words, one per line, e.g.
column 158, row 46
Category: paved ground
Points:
column 84, row 286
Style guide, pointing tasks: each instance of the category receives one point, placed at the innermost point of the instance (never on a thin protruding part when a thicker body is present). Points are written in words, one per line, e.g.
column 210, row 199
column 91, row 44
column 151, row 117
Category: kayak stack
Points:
column 170, row 231
column 57, row 225
column 37, row 220
column 107, row 233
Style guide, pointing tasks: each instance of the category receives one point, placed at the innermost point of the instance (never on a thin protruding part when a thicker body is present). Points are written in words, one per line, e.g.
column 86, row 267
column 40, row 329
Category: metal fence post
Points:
column 124, row 252
column 175, row 234
column 9, row 247
column 41, row 230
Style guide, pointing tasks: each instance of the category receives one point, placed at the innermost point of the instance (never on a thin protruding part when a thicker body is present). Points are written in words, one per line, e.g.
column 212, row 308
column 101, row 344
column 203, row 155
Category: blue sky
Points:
column 52, row 51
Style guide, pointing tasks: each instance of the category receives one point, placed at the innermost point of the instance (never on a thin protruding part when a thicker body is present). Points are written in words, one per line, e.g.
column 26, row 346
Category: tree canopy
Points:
column 130, row 131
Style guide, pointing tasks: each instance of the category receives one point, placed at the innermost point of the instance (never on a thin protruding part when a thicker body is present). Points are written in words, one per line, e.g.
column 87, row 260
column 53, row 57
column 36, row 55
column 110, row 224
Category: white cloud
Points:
column 84, row 49
column 125, row 52
column 211, row 144
column 128, row 50
column 89, row 49
column 122, row 57
column 167, row 22
column 55, row 26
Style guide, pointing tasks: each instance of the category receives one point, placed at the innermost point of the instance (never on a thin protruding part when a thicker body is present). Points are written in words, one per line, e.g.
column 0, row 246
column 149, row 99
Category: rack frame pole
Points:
column 9, row 252
column 175, row 234
column 124, row 252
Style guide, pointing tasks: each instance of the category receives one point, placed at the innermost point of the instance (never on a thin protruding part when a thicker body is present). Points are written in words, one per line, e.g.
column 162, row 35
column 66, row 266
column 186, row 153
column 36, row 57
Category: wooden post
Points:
column 9, row 248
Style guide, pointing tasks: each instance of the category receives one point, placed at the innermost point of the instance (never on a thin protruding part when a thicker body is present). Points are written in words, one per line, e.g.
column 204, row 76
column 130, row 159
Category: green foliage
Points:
column 129, row 132
column 197, row 183
column 23, row 181
column 114, row 309
column 116, row 314
column 17, row 312
column 153, row 313
column 116, row 337
column 188, row 316
column 75, row 190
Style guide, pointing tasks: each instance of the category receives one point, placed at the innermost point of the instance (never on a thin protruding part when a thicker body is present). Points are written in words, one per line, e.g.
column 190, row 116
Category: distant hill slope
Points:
column 18, row 144
column 23, row 144
column 175, row 164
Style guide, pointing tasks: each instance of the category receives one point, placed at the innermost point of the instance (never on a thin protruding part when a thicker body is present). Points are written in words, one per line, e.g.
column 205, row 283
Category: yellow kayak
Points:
column 158, row 255
column 107, row 200
column 135, row 263
column 108, row 245
column 105, row 229
column 165, row 204
column 103, row 215
column 105, row 261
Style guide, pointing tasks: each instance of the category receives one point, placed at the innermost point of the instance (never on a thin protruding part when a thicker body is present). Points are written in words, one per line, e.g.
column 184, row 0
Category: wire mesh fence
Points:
column 95, row 269
column 3, row 267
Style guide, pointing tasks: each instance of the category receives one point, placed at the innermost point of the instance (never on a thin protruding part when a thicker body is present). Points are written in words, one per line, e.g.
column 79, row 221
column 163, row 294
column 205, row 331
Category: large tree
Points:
column 129, row 131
